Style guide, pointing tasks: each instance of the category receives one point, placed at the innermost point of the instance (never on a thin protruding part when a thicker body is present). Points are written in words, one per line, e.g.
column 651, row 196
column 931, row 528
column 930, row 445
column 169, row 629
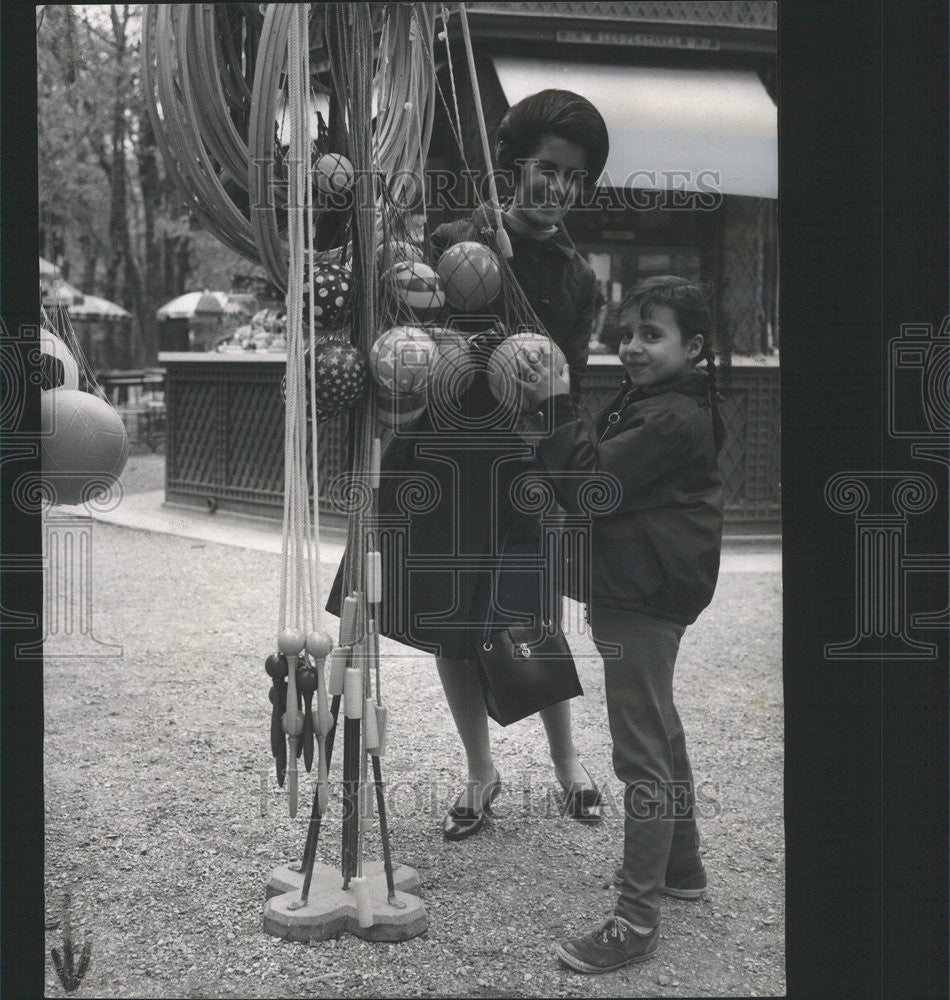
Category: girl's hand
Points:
column 543, row 373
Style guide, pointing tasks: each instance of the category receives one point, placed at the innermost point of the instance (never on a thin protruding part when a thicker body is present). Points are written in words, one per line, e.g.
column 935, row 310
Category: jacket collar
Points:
column 696, row 383
column 484, row 220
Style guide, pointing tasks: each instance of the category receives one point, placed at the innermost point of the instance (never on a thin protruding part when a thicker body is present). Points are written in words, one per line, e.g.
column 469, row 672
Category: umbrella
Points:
column 94, row 307
column 191, row 303
column 59, row 292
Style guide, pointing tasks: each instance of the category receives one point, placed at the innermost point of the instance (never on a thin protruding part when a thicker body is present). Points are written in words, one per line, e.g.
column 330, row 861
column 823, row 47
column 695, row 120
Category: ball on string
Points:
column 470, row 274
column 400, row 408
column 333, row 174
column 341, row 377
column 396, row 251
column 83, row 445
column 417, row 286
column 58, row 368
column 505, row 366
column 401, row 360
column 332, row 292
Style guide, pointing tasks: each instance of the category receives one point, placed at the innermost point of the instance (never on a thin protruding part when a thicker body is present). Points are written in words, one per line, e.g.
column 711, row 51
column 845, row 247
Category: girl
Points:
column 552, row 143
column 655, row 560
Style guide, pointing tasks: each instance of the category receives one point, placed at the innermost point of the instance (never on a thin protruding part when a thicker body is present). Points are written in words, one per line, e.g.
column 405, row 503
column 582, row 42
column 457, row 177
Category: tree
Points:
column 110, row 215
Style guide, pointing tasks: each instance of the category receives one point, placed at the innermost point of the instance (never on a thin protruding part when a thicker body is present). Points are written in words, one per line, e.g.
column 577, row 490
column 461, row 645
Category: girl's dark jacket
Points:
column 648, row 468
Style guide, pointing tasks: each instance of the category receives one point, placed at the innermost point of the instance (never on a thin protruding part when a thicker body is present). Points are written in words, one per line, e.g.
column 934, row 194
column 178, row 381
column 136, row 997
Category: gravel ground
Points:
column 163, row 818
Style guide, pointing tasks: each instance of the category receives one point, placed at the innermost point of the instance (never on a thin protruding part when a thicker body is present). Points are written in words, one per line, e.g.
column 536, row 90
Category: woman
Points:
column 552, row 142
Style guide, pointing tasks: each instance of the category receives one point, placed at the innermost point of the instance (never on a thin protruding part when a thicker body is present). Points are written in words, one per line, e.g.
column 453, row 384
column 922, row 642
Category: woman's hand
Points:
column 543, row 373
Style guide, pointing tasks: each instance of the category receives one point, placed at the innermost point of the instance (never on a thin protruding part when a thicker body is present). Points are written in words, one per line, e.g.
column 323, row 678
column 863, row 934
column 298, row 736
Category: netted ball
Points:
column 509, row 361
column 341, row 377
column 402, row 359
column 332, row 291
column 470, row 274
column 333, row 174
column 417, row 286
column 58, row 368
column 83, row 445
column 400, row 408
column 396, row 251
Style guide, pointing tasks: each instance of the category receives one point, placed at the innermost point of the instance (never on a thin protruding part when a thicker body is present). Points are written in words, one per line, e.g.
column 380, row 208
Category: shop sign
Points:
column 638, row 38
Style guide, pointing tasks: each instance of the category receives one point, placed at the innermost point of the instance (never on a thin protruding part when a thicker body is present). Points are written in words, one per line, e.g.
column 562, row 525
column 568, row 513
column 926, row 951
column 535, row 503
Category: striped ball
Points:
column 470, row 274
column 398, row 409
column 417, row 286
column 401, row 360
column 396, row 251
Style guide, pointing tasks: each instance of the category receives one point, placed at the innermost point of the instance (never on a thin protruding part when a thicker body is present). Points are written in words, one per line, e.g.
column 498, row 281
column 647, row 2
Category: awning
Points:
column 710, row 130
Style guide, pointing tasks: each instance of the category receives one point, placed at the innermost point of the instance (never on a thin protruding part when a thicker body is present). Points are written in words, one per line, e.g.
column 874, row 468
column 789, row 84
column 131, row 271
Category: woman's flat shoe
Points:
column 583, row 804
column 461, row 821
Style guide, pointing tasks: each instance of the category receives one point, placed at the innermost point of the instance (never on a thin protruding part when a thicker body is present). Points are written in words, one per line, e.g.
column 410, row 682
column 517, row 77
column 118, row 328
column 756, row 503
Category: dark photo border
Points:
column 863, row 219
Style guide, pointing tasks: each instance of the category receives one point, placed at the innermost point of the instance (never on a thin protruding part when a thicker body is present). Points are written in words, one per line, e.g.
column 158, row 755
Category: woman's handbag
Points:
column 524, row 668
column 522, row 673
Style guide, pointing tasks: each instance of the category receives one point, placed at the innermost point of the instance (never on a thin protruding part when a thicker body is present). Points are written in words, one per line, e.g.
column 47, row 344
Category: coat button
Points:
column 544, row 301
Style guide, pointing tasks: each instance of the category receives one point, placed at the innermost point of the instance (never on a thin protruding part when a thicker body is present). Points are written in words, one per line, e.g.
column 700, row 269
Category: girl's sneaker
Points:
column 691, row 886
column 610, row 947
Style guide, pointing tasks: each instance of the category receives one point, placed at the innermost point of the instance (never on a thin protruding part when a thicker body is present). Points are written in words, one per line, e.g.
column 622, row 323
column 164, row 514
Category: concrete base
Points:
column 330, row 910
column 288, row 879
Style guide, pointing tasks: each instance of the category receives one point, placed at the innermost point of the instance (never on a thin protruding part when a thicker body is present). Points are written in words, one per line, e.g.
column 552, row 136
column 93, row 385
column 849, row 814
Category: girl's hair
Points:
column 552, row 112
column 689, row 301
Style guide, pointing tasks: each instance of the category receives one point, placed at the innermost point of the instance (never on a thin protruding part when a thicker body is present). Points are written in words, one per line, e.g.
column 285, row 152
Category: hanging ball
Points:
column 454, row 367
column 470, row 274
column 291, row 641
column 341, row 377
column 397, row 251
column 319, row 645
column 401, row 359
column 333, row 174
column 399, row 409
column 276, row 666
column 332, row 292
column 505, row 366
column 83, row 445
column 58, row 368
column 416, row 285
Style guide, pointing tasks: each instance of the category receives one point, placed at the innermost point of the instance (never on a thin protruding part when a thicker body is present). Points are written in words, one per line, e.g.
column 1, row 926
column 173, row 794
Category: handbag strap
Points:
column 486, row 641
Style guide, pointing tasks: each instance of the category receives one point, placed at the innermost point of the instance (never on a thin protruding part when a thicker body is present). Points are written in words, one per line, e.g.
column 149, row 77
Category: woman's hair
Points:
column 552, row 112
column 689, row 302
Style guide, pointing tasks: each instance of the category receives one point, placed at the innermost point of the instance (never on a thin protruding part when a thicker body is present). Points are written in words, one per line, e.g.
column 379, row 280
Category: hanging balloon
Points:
column 83, row 445
column 58, row 368
column 332, row 292
column 453, row 370
column 396, row 251
column 402, row 358
column 470, row 274
column 341, row 377
column 505, row 366
column 333, row 174
column 417, row 286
